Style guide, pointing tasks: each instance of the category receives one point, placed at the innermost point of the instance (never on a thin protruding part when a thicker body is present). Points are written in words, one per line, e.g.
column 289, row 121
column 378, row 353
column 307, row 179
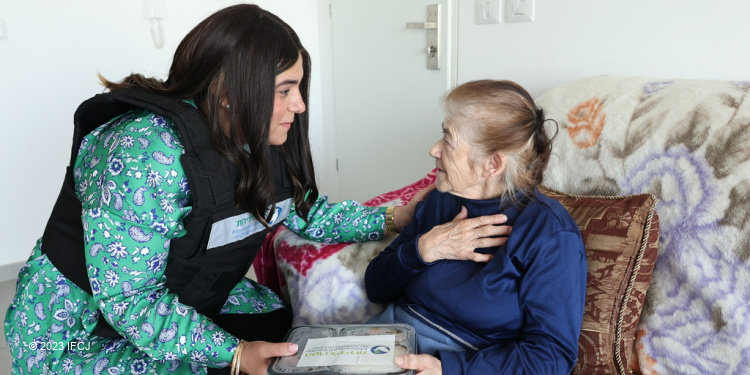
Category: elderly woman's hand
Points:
column 424, row 364
column 458, row 238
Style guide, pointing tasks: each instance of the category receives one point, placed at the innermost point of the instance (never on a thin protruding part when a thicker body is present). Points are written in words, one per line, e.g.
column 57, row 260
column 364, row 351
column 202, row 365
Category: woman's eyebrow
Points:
column 287, row 82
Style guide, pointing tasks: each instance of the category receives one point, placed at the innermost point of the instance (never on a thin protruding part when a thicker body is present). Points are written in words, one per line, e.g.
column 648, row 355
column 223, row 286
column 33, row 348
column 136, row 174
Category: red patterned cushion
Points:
column 621, row 236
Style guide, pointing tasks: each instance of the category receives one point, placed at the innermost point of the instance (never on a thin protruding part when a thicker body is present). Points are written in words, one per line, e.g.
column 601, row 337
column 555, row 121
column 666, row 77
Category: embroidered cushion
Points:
column 620, row 235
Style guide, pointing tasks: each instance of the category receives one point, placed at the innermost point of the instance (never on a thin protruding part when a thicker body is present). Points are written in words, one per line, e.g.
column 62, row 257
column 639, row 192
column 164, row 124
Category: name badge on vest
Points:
column 239, row 227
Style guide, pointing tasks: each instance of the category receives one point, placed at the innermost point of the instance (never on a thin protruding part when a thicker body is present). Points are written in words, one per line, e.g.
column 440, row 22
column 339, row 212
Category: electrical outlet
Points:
column 519, row 10
column 488, row 11
column 3, row 29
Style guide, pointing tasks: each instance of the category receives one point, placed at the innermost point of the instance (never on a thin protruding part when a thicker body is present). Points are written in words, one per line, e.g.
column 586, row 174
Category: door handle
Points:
column 432, row 28
column 421, row 25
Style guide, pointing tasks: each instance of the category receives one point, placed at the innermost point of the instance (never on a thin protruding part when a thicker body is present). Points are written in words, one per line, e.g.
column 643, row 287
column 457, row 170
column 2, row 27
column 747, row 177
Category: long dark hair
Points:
column 236, row 54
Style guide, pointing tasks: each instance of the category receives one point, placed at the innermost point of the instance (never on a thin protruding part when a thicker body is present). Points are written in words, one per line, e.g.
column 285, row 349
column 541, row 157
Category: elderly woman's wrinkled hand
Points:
column 458, row 238
column 424, row 364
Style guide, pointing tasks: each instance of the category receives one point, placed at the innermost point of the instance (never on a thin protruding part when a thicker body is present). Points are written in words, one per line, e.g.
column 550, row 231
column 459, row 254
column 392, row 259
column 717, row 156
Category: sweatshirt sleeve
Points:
column 135, row 196
column 552, row 294
column 347, row 221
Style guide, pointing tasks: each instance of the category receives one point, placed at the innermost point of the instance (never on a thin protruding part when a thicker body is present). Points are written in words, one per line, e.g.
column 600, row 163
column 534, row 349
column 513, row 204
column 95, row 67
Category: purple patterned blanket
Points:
column 688, row 143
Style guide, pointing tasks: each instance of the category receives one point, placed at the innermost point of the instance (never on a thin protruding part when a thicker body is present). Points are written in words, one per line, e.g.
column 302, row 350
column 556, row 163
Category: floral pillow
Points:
column 687, row 142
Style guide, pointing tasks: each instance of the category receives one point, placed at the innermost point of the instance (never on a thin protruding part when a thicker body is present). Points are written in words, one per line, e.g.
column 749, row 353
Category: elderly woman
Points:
column 515, row 307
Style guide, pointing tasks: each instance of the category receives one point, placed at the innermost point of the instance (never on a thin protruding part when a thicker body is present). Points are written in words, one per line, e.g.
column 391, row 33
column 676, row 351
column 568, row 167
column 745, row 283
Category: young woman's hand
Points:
column 424, row 364
column 402, row 215
column 458, row 239
column 257, row 355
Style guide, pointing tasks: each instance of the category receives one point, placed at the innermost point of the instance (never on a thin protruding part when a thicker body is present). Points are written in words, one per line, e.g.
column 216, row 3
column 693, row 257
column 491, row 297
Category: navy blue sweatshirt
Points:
column 521, row 312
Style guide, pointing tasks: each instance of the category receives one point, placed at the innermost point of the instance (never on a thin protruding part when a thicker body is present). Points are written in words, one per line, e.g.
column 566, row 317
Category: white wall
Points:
column 570, row 39
column 574, row 38
column 48, row 66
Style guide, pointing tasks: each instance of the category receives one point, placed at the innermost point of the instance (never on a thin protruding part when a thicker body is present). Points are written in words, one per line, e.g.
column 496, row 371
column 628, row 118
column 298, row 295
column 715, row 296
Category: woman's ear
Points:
column 223, row 99
column 495, row 164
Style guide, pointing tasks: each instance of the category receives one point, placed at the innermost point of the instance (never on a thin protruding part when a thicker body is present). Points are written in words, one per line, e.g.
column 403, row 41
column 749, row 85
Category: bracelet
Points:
column 234, row 366
column 390, row 225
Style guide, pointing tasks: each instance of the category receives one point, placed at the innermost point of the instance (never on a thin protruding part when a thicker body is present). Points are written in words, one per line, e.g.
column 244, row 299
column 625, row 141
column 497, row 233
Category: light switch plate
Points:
column 519, row 10
column 3, row 29
column 488, row 11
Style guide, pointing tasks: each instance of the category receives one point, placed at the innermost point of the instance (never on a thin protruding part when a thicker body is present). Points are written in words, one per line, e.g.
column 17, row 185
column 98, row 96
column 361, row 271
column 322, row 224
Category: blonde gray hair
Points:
column 503, row 117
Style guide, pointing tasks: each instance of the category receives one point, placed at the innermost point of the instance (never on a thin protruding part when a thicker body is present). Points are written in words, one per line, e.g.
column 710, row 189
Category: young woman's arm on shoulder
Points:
column 350, row 221
column 346, row 221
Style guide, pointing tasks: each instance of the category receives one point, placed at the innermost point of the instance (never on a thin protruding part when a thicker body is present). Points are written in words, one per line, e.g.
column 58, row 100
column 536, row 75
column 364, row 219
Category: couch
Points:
column 657, row 175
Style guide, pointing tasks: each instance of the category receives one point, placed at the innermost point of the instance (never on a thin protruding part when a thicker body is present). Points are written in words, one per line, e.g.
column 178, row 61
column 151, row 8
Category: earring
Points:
column 226, row 106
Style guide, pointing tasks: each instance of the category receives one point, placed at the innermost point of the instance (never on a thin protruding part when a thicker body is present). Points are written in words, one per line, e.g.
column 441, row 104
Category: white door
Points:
column 387, row 103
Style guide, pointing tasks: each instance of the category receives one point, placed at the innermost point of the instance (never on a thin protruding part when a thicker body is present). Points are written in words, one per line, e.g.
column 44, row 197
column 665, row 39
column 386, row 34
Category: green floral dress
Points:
column 135, row 196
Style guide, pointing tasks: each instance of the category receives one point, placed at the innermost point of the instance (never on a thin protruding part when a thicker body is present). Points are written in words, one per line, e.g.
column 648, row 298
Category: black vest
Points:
column 221, row 240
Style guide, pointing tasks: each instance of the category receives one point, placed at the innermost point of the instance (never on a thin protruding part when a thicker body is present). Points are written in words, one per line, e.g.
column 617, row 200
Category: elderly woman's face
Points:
column 457, row 174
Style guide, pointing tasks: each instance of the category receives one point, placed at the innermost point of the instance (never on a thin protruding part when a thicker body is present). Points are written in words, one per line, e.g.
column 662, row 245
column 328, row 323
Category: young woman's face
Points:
column 287, row 102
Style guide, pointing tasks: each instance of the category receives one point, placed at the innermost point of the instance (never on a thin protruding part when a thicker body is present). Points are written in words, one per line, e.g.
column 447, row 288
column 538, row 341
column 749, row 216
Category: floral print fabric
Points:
column 324, row 282
column 134, row 197
column 687, row 142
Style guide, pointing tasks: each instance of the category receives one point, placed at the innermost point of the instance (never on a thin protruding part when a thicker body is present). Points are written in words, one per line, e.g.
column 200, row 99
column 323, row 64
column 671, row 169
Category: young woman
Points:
column 171, row 189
